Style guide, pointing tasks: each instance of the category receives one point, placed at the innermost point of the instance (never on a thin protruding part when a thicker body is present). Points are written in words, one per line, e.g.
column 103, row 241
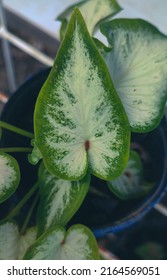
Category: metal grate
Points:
column 8, row 38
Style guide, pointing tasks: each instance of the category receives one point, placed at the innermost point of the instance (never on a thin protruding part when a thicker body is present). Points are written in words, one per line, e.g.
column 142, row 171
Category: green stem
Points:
column 16, row 149
column 25, row 224
column 16, row 129
column 22, row 202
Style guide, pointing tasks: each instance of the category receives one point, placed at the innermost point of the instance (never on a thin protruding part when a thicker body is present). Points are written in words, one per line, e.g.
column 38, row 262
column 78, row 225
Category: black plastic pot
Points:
column 19, row 112
column 144, row 241
column 103, row 213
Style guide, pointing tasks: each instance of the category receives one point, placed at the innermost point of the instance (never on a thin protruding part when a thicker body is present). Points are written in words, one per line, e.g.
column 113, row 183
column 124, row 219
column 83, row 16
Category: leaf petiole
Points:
column 16, row 149
column 25, row 224
column 16, row 129
column 22, row 202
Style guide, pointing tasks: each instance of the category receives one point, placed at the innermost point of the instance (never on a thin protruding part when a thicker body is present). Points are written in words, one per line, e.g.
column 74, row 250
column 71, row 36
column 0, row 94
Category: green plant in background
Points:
column 150, row 251
column 95, row 95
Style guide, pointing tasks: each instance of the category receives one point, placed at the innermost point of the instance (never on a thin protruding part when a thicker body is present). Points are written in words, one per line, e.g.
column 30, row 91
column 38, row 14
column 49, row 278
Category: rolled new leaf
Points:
column 35, row 155
column 78, row 243
column 138, row 67
column 59, row 199
column 80, row 123
column 9, row 176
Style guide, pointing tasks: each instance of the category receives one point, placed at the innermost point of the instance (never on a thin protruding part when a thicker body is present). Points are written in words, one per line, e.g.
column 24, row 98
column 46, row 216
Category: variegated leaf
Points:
column 78, row 243
column 138, row 67
column 80, row 123
column 59, row 199
column 93, row 11
column 9, row 176
column 13, row 246
column 131, row 183
column 25, row 241
column 9, row 241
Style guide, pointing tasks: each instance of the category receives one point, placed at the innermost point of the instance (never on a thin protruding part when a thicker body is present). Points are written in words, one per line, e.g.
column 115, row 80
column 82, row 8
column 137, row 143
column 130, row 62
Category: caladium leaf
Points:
column 80, row 123
column 78, row 243
column 93, row 11
column 131, row 183
column 9, row 176
column 9, row 240
column 59, row 199
column 13, row 246
column 138, row 67
column 25, row 241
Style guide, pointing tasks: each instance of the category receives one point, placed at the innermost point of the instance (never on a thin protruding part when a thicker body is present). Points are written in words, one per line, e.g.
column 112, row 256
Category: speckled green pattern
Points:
column 80, row 124
column 59, row 199
column 9, row 176
column 78, row 243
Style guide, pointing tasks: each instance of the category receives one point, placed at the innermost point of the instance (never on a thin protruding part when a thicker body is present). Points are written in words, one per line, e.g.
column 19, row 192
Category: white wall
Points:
column 154, row 11
column 43, row 12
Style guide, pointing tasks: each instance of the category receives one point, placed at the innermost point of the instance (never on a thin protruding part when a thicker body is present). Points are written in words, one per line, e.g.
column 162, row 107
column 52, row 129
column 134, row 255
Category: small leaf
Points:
column 35, row 155
column 78, row 243
column 138, row 67
column 59, row 199
column 131, row 183
column 93, row 11
column 9, row 176
column 80, row 123
column 9, row 241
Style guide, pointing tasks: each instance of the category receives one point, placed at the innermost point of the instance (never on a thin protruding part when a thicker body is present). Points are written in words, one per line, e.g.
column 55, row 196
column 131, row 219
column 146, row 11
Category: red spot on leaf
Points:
column 87, row 145
column 63, row 241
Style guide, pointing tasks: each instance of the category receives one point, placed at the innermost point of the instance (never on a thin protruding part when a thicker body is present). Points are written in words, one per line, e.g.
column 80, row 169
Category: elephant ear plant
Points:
column 94, row 96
